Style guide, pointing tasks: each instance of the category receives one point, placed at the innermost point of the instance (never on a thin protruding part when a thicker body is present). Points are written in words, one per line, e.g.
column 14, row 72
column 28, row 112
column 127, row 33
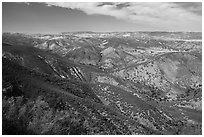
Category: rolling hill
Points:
column 102, row 83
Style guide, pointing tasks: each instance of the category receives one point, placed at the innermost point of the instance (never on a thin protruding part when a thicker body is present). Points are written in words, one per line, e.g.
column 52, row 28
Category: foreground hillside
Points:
column 102, row 83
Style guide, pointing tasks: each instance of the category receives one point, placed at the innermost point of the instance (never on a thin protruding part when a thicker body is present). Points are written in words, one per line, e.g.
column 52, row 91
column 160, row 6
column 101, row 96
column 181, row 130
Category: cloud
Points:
column 195, row 7
column 174, row 15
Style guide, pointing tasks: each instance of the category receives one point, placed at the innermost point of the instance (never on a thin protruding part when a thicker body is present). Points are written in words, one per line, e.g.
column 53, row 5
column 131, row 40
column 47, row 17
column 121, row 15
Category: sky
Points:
column 101, row 16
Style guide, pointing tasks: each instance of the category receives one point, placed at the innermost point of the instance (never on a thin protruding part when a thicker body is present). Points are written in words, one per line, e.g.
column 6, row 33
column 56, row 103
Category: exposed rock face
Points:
column 103, row 83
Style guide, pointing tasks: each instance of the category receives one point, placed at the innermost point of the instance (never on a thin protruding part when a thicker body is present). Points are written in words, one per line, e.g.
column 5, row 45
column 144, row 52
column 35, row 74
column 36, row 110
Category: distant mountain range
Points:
column 102, row 83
